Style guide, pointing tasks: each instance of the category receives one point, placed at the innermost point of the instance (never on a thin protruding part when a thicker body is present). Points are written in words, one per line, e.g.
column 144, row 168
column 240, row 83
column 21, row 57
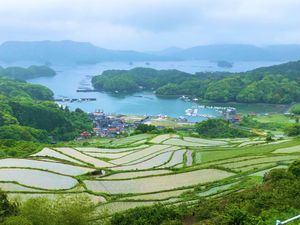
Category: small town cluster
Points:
column 111, row 125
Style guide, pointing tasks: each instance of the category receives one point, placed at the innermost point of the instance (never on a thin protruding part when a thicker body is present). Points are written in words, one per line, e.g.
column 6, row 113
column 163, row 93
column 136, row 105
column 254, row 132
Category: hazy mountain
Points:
column 66, row 52
column 236, row 52
column 227, row 52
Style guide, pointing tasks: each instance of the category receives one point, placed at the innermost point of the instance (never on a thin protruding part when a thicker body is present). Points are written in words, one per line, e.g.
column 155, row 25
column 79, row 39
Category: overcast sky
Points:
column 152, row 24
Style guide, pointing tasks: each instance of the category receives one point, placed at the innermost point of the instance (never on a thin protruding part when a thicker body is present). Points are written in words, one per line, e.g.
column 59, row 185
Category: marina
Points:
column 196, row 111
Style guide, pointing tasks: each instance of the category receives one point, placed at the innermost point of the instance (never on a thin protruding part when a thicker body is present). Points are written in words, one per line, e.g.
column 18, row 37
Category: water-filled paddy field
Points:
column 146, row 169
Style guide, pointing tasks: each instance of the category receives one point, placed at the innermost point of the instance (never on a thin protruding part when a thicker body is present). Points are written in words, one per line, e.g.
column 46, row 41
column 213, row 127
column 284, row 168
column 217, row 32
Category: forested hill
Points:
column 27, row 73
column 26, row 114
column 276, row 84
column 290, row 70
column 129, row 81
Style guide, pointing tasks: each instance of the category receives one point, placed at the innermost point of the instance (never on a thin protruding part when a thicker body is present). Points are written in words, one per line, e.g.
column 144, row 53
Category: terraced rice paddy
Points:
column 205, row 142
column 161, row 138
column 42, row 165
column 129, row 175
column 294, row 149
column 189, row 158
column 217, row 189
column 88, row 159
column 111, row 150
column 13, row 187
column 145, row 169
column 263, row 172
column 251, row 143
column 140, row 154
column 158, row 183
column 236, row 165
column 107, row 155
column 180, row 142
column 131, row 140
column 47, row 152
column 37, row 179
column 155, row 153
column 114, row 207
column 159, row 196
column 255, row 167
column 156, row 161
column 176, row 159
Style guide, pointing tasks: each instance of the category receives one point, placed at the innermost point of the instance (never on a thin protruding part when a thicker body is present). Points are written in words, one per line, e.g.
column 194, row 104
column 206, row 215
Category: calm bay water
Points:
column 71, row 78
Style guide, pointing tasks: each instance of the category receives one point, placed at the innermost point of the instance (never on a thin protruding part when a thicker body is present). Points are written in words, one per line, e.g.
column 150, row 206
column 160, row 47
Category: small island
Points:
column 27, row 73
column 224, row 64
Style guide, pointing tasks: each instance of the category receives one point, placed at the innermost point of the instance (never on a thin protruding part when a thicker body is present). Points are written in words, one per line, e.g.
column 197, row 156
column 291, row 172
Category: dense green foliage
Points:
column 219, row 128
column 295, row 109
column 144, row 128
column 17, row 132
column 26, row 115
column 21, row 115
column 276, row 84
column 293, row 130
column 136, row 79
column 6, row 208
column 277, row 198
column 27, row 73
column 14, row 88
column 13, row 148
column 63, row 210
column 148, row 216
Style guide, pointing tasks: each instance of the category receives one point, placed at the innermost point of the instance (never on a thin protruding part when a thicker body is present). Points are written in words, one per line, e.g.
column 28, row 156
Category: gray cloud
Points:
column 152, row 24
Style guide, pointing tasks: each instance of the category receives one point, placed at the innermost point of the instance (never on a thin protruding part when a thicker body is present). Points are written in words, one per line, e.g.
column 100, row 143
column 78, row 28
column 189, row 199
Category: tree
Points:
column 295, row 109
column 277, row 175
column 24, row 133
column 78, row 210
column 219, row 128
column 6, row 208
column 269, row 137
column 294, row 168
column 144, row 128
column 293, row 130
column 154, row 215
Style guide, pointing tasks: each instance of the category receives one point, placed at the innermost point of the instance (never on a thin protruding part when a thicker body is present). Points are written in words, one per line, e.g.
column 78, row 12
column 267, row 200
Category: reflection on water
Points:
column 71, row 78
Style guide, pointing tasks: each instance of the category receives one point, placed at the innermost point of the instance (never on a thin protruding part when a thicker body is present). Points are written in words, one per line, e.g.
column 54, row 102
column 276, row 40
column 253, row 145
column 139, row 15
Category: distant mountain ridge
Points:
column 66, row 52
column 236, row 52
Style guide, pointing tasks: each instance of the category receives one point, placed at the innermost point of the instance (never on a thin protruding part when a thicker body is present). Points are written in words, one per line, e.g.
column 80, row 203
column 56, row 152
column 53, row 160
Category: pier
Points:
column 86, row 90
column 74, row 99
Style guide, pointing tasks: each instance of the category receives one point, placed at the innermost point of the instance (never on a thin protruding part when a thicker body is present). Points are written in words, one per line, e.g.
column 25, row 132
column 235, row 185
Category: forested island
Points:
column 224, row 64
column 275, row 84
column 27, row 73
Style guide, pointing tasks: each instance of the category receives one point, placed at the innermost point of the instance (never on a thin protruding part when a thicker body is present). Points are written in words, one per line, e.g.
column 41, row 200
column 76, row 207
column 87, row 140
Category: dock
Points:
column 86, row 90
column 74, row 99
